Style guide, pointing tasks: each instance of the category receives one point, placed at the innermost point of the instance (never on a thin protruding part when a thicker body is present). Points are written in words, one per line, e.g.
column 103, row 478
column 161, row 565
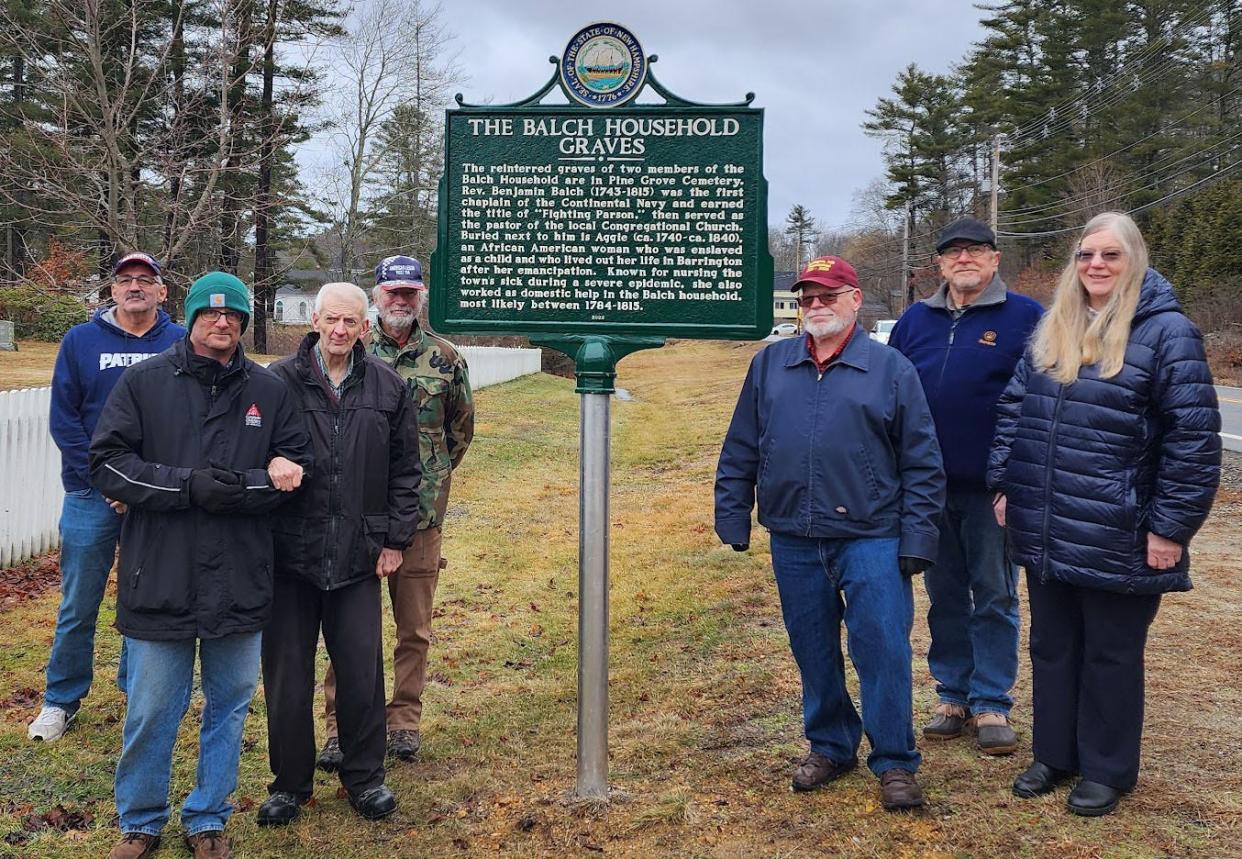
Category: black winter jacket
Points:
column 185, row 572
column 1089, row 468
column 364, row 494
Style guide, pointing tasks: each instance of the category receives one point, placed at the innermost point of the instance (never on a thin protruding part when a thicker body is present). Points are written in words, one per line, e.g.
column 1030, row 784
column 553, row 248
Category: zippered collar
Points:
column 994, row 293
column 857, row 352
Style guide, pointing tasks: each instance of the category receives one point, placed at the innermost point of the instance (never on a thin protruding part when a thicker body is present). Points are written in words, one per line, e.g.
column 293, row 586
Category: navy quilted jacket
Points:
column 1090, row 468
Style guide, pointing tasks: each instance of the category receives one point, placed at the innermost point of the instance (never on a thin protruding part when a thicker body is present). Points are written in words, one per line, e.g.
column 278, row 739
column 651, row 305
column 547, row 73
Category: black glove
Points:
column 740, row 547
column 216, row 490
column 912, row 566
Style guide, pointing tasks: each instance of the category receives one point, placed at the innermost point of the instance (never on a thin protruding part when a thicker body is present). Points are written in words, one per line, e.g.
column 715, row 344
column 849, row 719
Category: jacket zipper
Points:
column 948, row 350
column 1052, row 437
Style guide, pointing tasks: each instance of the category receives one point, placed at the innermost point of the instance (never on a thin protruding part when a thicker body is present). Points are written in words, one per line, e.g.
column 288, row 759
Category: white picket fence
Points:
column 30, row 490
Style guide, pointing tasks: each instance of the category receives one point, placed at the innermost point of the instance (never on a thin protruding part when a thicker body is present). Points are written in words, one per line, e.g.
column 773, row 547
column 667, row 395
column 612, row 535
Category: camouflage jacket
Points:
column 439, row 382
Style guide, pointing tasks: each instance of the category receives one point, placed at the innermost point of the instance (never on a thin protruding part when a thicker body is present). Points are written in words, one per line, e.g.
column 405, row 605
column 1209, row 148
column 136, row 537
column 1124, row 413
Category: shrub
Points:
column 38, row 314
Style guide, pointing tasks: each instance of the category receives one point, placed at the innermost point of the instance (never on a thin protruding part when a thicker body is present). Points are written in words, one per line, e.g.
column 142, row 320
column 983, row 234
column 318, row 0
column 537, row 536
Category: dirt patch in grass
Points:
column 705, row 723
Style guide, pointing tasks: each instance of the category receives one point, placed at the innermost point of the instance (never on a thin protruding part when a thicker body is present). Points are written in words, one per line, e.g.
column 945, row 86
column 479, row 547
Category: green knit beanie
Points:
column 217, row 289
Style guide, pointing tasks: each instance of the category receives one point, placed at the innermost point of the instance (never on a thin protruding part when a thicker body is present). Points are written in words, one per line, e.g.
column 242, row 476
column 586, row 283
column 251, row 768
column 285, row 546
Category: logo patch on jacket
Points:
column 253, row 417
column 988, row 338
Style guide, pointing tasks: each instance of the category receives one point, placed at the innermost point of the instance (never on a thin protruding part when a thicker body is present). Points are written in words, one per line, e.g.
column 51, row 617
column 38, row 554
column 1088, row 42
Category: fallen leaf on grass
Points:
column 21, row 698
column 59, row 818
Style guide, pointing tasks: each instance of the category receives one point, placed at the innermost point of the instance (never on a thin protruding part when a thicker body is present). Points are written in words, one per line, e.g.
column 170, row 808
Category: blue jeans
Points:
column 163, row 673
column 88, row 534
column 822, row 582
column 973, row 617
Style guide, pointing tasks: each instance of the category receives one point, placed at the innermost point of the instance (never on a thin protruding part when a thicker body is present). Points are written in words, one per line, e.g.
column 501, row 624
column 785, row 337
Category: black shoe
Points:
column 330, row 758
column 376, row 803
column 280, row 809
column 1038, row 780
column 403, row 744
column 816, row 770
column 1092, row 799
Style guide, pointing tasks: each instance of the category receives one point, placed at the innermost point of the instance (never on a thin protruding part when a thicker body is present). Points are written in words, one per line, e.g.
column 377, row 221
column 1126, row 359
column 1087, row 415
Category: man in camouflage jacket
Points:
column 439, row 383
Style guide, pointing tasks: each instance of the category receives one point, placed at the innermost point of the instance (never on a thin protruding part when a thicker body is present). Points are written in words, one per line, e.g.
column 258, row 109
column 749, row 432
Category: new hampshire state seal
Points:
column 603, row 66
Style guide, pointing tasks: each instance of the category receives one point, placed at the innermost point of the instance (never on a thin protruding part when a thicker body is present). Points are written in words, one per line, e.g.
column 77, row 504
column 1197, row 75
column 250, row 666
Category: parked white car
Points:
column 784, row 329
column 882, row 328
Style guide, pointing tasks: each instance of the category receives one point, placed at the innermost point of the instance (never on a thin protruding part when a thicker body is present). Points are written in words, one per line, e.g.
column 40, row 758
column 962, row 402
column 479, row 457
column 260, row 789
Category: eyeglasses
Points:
column 827, row 299
column 1109, row 257
column 143, row 281
column 212, row 315
column 972, row 251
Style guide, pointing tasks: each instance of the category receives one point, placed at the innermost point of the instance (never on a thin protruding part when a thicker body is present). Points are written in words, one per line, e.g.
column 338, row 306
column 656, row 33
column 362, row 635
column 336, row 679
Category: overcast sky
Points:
column 815, row 66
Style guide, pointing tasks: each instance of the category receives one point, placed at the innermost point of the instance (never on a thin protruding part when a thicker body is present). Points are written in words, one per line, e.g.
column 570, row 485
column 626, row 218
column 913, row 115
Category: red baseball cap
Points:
column 827, row 271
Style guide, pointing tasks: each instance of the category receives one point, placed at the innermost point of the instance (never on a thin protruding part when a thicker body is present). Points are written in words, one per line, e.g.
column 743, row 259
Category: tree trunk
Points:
column 264, row 281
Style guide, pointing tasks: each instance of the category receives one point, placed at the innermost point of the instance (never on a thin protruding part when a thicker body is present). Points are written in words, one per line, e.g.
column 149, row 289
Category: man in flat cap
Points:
column 832, row 437
column 965, row 342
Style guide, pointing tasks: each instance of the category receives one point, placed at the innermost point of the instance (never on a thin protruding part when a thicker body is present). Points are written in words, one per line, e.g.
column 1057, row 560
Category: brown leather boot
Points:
column 816, row 770
column 898, row 790
column 211, row 844
column 135, row 845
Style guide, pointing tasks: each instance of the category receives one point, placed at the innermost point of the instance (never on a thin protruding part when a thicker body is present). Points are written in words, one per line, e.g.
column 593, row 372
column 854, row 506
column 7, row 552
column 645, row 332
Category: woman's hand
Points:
column 1162, row 554
column 998, row 509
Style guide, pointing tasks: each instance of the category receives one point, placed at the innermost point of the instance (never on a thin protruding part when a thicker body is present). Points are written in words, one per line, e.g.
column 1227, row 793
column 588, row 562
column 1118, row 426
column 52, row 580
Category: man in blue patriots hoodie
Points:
column 92, row 358
column 965, row 342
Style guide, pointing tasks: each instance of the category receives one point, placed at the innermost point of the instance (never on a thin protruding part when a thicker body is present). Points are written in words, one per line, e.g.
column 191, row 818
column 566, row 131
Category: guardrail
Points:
column 30, row 490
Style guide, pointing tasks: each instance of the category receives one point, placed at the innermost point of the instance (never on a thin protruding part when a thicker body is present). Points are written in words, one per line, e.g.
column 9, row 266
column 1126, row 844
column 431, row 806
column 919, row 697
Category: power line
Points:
column 1179, row 193
column 1095, row 205
column 1176, row 123
column 1040, row 126
column 1121, row 183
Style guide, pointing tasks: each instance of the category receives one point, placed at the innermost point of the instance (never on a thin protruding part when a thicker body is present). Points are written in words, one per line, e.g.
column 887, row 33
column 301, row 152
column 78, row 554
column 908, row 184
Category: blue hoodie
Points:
column 92, row 358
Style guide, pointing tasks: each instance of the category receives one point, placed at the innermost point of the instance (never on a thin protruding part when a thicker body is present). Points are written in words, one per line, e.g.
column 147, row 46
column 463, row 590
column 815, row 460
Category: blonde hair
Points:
column 1068, row 337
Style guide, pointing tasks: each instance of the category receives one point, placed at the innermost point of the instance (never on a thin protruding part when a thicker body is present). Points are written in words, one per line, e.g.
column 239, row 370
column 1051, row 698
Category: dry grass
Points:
column 31, row 365
column 705, row 721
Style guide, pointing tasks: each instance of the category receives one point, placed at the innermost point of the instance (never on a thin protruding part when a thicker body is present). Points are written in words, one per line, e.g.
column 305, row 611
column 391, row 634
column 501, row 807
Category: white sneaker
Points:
column 50, row 725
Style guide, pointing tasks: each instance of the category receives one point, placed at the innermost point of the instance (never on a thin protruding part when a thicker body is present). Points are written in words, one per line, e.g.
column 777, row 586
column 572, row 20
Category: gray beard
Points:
column 398, row 324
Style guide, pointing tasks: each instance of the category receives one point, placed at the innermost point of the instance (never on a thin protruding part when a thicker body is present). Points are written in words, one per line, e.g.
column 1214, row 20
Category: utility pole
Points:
column 907, row 286
column 996, row 145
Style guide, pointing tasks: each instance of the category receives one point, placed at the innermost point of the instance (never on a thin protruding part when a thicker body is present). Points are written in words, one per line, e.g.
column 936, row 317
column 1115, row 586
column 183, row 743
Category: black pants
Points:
column 350, row 618
column 1087, row 673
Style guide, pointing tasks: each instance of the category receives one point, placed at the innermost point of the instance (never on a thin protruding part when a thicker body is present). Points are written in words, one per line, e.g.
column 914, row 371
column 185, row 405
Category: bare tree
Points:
column 119, row 119
column 395, row 66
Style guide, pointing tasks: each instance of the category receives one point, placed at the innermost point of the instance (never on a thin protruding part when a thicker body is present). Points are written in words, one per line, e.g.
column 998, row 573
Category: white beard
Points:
column 826, row 327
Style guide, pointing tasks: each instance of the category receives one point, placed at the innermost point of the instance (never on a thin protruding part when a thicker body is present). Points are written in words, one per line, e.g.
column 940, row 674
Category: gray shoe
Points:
column 948, row 723
column 404, row 745
column 993, row 734
column 330, row 758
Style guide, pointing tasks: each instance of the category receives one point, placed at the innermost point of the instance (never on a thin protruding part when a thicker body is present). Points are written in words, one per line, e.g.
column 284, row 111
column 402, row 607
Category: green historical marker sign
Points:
column 603, row 217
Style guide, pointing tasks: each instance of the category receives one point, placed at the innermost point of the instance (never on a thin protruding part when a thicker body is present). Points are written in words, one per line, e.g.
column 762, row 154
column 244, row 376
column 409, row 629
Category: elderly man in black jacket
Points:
column 200, row 443
column 345, row 532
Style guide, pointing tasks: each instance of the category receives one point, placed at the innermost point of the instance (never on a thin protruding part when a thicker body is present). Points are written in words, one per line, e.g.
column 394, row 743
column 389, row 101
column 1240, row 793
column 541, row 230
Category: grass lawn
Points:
column 705, row 718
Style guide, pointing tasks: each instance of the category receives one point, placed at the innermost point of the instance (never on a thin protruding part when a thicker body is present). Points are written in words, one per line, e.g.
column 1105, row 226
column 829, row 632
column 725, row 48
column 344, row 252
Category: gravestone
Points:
column 7, row 343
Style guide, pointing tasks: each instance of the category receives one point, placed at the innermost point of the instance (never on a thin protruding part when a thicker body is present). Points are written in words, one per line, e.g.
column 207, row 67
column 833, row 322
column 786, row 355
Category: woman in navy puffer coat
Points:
column 1105, row 462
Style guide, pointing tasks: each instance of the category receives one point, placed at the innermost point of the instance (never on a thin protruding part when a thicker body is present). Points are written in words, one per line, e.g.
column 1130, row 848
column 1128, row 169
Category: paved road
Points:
column 1230, row 417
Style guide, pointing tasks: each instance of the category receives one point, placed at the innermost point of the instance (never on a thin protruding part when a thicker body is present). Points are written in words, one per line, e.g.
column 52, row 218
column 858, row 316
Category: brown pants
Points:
column 413, row 589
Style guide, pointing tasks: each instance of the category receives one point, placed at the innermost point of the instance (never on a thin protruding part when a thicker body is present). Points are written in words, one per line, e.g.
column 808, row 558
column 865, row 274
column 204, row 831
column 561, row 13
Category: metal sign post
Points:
column 597, row 228
column 596, row 436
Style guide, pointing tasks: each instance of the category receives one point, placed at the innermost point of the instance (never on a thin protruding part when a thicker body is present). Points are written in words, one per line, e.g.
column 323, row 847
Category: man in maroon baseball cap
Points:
column 851, row 490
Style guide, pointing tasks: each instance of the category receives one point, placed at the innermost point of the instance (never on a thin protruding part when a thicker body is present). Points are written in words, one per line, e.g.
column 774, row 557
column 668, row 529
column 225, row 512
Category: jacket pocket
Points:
column 375, row 525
